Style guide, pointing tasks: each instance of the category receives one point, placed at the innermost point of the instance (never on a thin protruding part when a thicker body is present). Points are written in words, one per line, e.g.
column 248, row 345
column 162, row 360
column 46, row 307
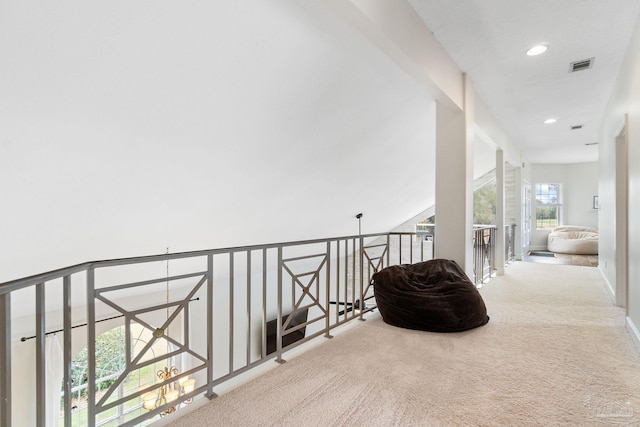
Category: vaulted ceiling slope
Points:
column 488, row 41
column 131, row 127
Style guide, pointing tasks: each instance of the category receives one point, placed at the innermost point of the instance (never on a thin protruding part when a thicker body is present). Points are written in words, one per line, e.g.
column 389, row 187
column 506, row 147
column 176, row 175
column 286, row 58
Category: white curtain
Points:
column 54, row 374
column 173, row 361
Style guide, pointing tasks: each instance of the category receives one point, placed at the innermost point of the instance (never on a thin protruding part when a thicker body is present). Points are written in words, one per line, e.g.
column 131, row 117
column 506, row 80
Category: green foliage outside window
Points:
column 109, row 360
column 548, row 205
column 110, row 363
column 484, row 205
column 546, row 216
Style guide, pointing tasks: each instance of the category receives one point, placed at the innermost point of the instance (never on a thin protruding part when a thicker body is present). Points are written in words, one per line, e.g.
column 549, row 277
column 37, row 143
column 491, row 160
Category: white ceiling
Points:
column 488, row 39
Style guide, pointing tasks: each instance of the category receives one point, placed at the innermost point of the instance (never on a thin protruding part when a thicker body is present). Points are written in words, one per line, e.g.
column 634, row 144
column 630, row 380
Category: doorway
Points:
column 526, row 217
column 621, row 214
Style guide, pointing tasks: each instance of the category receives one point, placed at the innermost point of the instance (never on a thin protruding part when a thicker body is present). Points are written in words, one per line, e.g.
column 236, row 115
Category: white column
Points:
column 517, row 235
column 500, row 234
column 454, row 181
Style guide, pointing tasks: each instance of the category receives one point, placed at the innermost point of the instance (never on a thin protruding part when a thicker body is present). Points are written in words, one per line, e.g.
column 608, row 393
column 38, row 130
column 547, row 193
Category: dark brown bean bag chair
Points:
column 434, row 296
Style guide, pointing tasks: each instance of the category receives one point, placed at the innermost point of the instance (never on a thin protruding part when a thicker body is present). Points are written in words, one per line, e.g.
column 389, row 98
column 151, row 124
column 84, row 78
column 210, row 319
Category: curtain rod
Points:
column 23, row 339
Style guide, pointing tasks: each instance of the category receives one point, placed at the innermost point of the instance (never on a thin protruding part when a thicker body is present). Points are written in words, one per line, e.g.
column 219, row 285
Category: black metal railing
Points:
column 509, row 243
column 484, row 238
column 209, row 309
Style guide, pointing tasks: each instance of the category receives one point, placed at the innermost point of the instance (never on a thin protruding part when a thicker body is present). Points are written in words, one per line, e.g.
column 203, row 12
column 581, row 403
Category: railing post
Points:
column 433, row 243
column 494, row 246
column 483, row 253
column 231, row 310
column 473, row 248
column 5, row 360
column 388, row 249
column 263, row 350
column 506, row 244
column 487, row 248
column 210, row 393
column 91, row 348
column 327, row 325
column 66, row 307
column 248, row 309
column 512, row 244
column 279, row 315
column 361, row 278
column 510, row 231
column 353, row 273
column 41, row 395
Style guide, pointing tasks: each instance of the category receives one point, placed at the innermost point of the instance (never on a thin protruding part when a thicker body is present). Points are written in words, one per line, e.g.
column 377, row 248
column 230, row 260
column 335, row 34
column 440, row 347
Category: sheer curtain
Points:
column 54, row 369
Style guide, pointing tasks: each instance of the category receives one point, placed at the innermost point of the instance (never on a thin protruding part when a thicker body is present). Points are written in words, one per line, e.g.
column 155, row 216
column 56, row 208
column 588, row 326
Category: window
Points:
column 548, row 205
column 484, row 204
column 110, row 363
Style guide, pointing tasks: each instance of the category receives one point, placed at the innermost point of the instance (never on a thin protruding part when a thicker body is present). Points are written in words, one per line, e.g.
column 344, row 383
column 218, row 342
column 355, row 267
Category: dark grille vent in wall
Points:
column 585, row 64
column 576, row 127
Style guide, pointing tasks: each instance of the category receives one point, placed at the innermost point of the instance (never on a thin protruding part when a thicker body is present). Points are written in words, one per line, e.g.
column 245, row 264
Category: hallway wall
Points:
column 625, row 99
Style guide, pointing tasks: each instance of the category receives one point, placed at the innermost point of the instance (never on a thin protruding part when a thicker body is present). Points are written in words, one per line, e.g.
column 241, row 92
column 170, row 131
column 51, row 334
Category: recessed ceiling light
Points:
column 537, row 50
column 549, row 121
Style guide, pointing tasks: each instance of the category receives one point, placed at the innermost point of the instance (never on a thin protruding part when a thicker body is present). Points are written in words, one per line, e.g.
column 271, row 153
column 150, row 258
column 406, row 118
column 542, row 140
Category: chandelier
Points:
column 169, row 392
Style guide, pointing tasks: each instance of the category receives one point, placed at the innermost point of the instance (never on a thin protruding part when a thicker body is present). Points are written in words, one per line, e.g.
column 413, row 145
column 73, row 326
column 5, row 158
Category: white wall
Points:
column 625, row 99
column 127, row 129
column 579, row 184
column 582, row 180
column 491, row 131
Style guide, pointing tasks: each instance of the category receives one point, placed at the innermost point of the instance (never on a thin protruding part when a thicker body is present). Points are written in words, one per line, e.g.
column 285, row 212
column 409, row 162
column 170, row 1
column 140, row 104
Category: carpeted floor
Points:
column 554, row 353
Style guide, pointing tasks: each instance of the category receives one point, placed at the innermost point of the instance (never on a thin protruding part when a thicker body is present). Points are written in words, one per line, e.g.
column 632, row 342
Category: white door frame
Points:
column 526, row 217
column 621, row 214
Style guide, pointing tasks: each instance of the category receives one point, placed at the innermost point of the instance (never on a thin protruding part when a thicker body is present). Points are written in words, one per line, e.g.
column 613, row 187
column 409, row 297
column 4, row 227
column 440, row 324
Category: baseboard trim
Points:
column 612, row 292
column 633, row 331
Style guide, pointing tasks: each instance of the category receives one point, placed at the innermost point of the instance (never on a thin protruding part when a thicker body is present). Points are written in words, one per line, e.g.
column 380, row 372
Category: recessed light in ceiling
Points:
column 537, row 50
column 549, row 121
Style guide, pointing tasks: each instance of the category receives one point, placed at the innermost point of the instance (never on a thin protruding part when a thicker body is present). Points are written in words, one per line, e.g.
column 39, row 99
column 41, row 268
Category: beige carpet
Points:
column 554, row 353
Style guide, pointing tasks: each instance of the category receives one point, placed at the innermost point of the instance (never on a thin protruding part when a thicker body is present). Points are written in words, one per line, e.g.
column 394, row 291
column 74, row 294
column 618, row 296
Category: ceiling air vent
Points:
column 591, row 143
column 585, row 64
column 576, row 127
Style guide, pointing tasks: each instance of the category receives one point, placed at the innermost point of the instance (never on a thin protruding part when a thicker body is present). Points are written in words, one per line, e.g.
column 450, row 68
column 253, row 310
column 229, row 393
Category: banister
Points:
column 17, row 284
column 339, row 279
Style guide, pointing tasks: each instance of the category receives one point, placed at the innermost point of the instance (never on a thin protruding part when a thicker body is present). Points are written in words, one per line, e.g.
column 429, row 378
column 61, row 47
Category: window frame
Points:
column 119, row 414
column 549, row 204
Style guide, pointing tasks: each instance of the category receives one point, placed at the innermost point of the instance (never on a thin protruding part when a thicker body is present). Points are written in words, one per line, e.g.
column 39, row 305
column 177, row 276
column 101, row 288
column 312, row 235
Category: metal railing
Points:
column 425, row 231
column 210, row 309
column 509, row 243
column 484, row 238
